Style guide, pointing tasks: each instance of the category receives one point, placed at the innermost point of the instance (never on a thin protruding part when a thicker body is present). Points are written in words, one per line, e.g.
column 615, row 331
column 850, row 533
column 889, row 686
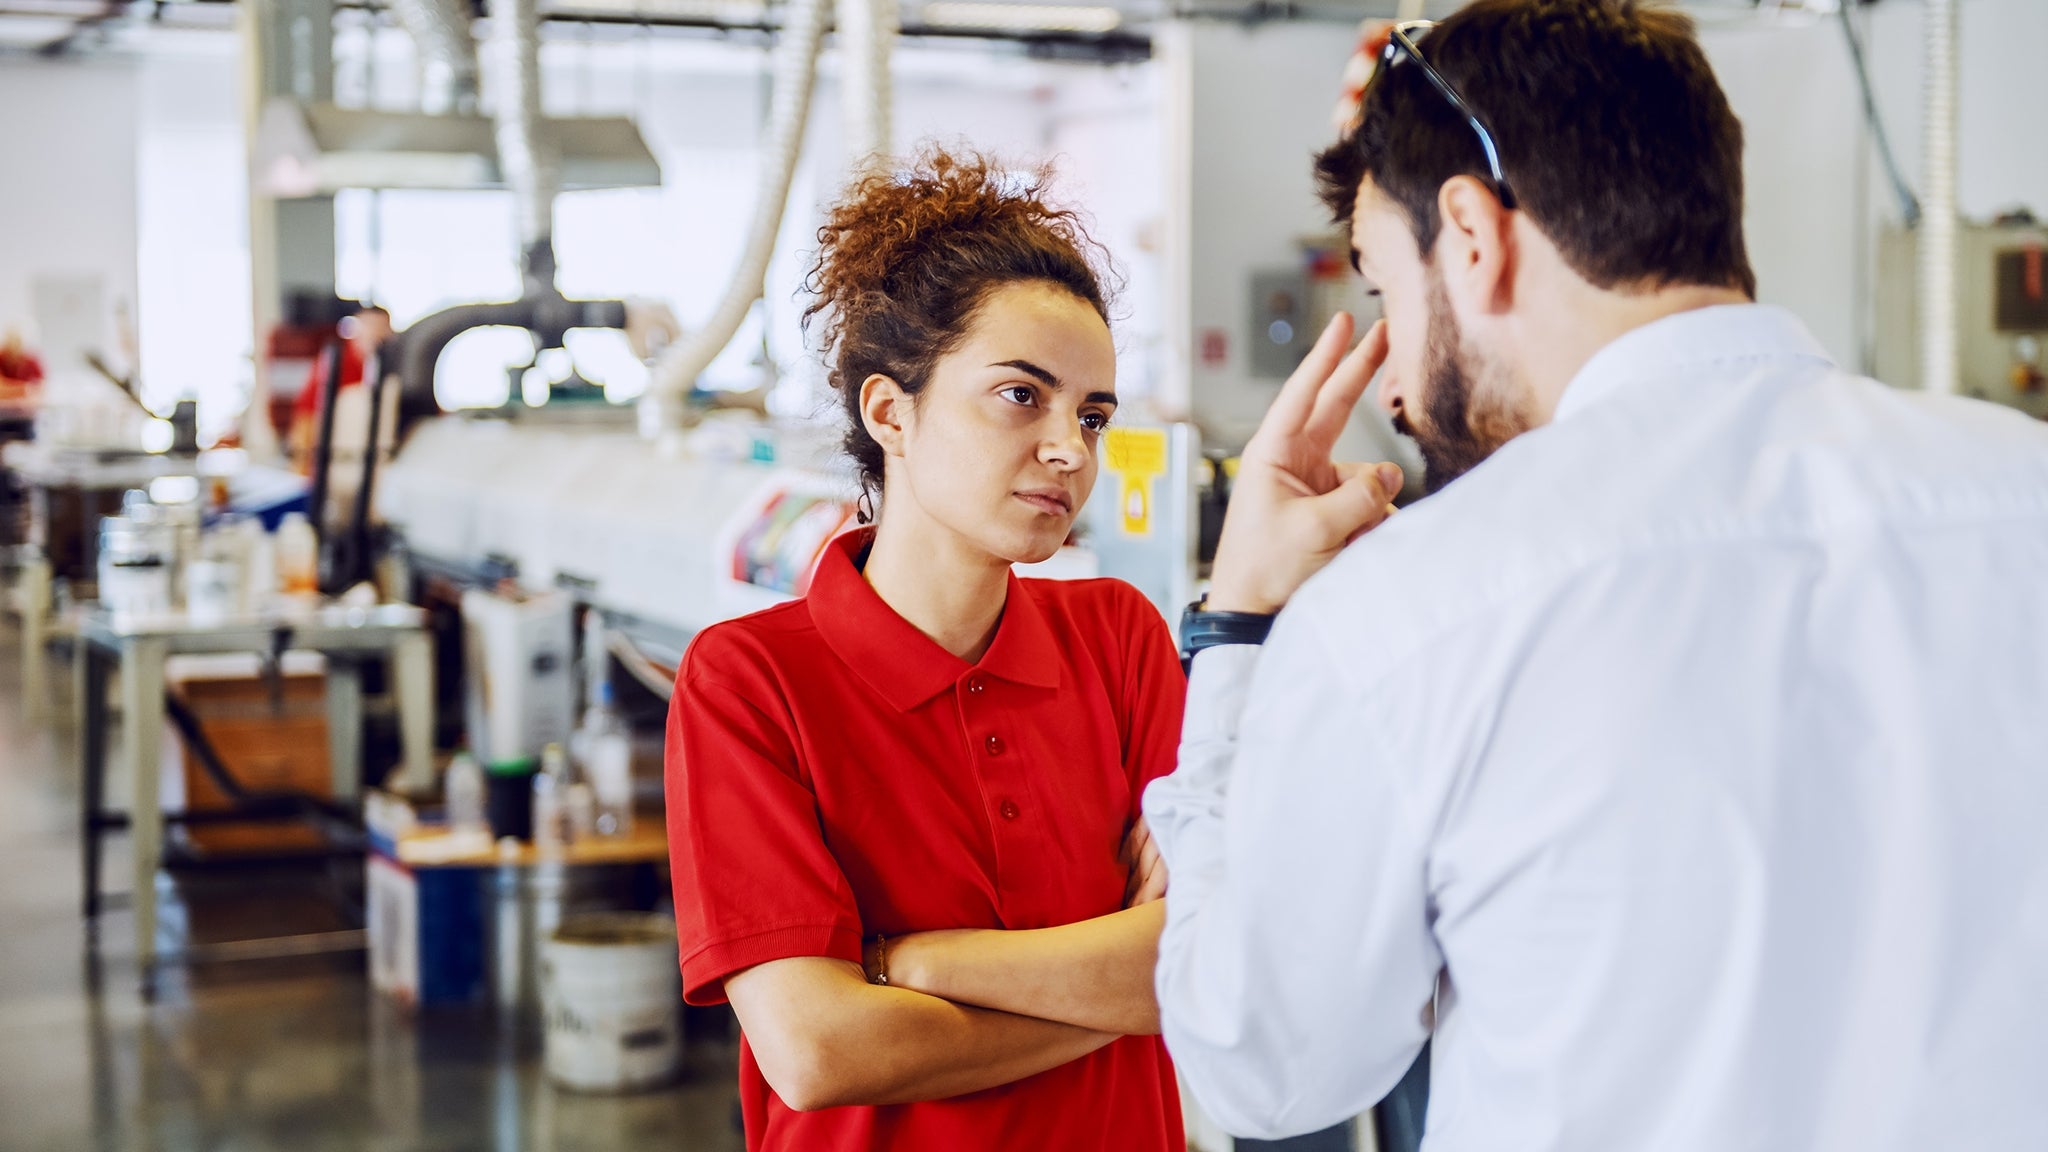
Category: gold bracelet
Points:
column 881, row 959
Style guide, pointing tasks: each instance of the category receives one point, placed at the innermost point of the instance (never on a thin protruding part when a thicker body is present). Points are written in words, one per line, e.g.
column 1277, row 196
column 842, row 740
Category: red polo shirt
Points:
column 833, row 773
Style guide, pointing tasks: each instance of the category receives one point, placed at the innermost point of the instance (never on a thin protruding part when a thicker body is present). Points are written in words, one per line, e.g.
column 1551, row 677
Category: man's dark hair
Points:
column 1613, row 135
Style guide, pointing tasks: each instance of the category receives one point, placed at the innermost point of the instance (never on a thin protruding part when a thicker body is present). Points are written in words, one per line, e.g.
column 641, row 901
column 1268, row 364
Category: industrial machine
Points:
column 2001, row 305
column 666, row 543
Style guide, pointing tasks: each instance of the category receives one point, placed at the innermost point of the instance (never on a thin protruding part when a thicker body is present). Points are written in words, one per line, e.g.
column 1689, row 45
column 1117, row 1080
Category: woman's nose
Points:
column 1067, row 449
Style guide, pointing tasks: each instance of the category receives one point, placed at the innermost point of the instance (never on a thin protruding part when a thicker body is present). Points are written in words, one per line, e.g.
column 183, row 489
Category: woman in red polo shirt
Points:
column 927, row 742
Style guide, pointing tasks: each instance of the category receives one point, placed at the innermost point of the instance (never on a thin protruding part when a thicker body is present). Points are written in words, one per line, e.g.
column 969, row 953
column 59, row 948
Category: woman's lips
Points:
column 1050, row 502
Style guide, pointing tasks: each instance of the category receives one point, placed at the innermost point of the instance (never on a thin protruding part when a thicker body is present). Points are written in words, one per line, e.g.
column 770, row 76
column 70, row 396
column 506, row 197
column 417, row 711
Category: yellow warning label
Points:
column 1137, row 456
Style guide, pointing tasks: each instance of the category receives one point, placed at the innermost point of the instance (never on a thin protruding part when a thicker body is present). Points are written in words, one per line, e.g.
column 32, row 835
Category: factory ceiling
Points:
column 1109, row 30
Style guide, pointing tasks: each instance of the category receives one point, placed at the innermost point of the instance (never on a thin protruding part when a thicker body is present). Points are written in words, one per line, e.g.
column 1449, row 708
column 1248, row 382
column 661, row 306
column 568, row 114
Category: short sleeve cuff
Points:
column 705, row 970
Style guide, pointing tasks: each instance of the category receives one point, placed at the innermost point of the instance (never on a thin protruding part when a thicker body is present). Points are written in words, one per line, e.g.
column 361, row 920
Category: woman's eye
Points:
column 1021, row 394
column 1094, row 421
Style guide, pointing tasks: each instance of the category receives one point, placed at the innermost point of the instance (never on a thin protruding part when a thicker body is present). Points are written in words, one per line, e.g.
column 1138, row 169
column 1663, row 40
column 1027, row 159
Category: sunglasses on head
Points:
column 1401, row 46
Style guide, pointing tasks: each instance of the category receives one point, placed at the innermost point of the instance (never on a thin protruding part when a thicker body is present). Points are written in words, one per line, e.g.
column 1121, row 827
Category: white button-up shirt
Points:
column 1684, row 766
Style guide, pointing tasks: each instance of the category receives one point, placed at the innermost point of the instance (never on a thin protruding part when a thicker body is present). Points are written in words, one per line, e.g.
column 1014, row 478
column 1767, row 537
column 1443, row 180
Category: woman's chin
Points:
column 1031, row 548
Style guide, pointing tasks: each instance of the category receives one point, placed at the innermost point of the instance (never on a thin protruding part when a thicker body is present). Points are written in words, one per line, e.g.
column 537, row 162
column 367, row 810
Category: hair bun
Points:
column 907, row 255
column 895, row 231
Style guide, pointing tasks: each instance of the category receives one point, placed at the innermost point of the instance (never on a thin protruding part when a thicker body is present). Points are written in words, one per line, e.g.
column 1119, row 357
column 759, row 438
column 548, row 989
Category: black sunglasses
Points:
column 1402, row 43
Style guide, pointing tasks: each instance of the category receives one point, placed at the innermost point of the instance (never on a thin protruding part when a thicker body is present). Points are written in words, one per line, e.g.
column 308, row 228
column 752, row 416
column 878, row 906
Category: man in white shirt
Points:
column 1681, row 764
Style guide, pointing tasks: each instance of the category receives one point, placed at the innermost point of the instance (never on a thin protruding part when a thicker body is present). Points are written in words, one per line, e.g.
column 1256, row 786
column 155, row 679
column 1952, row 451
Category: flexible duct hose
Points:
column 1938, row 204
column 447, row 53
column 531, row 169
column 867, row 34
column 790, row 108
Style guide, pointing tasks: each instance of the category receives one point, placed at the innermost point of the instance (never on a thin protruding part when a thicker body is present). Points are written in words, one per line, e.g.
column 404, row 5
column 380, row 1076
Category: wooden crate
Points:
column 266, row 745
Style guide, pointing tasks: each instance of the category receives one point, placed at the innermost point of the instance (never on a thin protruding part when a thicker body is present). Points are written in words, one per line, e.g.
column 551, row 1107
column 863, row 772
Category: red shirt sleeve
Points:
column 753, row 878
column 1155, row 694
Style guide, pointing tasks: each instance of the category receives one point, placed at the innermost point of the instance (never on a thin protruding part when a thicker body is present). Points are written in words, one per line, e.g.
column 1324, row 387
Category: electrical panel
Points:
column 2001, row 312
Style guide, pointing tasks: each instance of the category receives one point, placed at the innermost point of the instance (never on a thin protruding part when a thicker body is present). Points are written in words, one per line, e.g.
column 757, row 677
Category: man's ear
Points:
column 1475, row 245
column 884, row 407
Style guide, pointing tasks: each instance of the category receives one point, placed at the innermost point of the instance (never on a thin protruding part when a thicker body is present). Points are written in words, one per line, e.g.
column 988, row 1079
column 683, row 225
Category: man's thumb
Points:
column 1357, row 504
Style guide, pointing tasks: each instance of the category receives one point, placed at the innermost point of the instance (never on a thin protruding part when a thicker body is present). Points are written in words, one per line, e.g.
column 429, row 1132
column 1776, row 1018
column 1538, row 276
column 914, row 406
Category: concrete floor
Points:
column 294, row 1054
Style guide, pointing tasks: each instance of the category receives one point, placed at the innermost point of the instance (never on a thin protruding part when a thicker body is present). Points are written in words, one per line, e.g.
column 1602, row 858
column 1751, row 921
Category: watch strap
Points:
column 1200, row 628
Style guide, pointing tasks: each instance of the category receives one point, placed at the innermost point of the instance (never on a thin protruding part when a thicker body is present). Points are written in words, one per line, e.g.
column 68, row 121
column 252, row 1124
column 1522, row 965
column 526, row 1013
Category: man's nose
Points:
column 1387, row 394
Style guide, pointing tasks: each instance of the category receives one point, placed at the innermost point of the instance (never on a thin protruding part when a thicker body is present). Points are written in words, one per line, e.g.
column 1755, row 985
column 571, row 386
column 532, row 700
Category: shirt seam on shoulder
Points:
column 791, row 730
column 1577, row 562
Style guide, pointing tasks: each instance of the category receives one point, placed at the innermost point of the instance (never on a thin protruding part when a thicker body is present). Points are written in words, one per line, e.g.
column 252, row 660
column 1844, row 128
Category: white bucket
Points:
column 612, row 999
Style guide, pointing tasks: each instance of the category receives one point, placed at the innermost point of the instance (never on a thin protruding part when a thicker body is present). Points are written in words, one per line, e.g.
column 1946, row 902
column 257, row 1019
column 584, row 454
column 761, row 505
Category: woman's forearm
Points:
column 1096, row 974
column 824, row 1037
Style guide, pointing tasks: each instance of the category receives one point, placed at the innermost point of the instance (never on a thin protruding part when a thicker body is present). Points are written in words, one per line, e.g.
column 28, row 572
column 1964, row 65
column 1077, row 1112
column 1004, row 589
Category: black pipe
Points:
column 546, row 315
column 1909, row 204
column 323, row 441
column 253, row 802
column 351, row 561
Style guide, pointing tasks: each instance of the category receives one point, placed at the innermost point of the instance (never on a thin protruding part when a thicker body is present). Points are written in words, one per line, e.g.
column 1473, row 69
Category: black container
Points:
column 508, row 798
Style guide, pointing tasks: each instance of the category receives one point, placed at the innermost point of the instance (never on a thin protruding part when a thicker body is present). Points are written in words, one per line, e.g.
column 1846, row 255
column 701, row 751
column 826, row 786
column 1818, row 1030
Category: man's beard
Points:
column 1460, row 431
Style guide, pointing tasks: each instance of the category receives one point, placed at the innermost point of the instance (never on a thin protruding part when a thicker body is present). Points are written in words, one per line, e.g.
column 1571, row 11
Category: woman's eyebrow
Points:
column 1052, row 381
column 1044, row 377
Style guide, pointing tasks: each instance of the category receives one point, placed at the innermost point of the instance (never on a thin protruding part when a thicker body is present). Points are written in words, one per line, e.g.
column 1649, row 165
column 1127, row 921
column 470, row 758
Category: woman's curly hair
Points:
column 906, row 256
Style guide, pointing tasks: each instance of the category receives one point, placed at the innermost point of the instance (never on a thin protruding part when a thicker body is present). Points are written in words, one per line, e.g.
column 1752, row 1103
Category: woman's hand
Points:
column 1093, row 974
column 1140, row 855
column 824, row 1039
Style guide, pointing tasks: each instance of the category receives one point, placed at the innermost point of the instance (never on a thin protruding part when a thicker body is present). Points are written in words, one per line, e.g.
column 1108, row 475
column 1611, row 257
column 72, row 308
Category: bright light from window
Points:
column 556, row 365
column 605, row 358
column 473, row 370
column 157, row 436
column 1023, row 17
column 174, row 489
column 533, row 386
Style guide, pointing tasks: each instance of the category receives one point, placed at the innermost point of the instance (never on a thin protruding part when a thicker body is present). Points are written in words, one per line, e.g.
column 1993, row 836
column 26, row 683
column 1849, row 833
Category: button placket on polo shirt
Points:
column 998, row 772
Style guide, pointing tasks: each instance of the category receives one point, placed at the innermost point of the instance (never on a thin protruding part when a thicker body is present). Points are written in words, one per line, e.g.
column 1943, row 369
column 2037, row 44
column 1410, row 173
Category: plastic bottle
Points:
column 608, row 764
column 259, row 561
column 213, row 579
column 298, row 557
column 549, row 786
column 466, row 797
column 581, row 811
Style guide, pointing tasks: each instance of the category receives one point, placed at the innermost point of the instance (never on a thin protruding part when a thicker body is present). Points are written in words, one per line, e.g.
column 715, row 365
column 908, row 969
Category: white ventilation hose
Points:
column 1938, row 202
column 867, row 34
column 530, row 168
column 796, row 61
column 447, row 53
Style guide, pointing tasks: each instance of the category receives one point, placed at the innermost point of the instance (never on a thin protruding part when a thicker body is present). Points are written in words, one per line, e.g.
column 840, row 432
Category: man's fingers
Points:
column 1297, row 399
column 1340, row 394
column 1360, row 503
column 1381, row 478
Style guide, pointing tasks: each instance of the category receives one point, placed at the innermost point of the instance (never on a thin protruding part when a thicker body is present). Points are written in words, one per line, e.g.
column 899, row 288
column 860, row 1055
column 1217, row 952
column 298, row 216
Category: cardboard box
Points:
column 267, row 744
column 427, row 932
column 427, row 929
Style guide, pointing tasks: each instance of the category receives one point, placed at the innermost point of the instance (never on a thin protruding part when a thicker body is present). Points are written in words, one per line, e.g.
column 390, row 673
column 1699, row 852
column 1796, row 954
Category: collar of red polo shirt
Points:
column 904, row 666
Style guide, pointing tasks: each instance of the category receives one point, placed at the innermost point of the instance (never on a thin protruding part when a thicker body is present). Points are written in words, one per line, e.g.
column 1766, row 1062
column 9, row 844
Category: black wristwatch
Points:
column 1200, row 628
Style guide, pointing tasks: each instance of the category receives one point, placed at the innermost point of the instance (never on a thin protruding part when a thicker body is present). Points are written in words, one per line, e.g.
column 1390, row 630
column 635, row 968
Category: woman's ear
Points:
column 884, row 408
